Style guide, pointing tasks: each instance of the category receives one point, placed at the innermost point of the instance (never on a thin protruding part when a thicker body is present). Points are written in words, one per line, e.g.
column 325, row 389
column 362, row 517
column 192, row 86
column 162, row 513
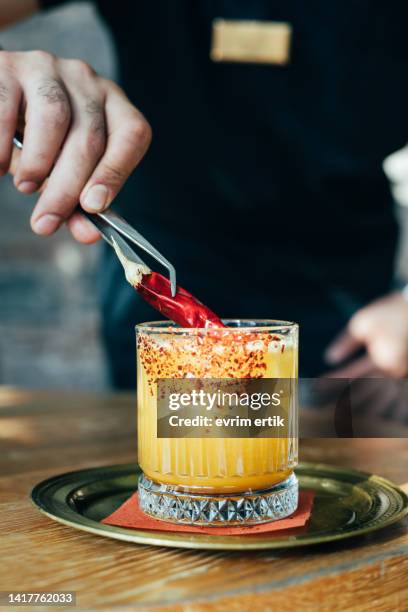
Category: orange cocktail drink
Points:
column 207, row 467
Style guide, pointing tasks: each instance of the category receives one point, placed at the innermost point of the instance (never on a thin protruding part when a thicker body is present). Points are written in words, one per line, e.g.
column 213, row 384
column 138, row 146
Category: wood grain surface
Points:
column 43, row 434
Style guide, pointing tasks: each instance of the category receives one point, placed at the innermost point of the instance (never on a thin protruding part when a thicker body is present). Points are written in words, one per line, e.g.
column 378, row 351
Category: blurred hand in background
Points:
column 381, row 328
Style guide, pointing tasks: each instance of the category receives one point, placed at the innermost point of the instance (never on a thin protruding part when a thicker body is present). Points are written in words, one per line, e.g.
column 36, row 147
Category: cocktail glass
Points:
column 212, row 477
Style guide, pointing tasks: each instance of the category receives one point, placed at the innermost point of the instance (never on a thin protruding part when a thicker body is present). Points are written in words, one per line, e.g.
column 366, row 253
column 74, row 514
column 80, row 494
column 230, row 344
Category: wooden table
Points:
column 42, row 434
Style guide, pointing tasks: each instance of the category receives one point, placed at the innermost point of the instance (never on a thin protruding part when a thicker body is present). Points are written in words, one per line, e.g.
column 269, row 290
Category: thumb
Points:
column 342, row 347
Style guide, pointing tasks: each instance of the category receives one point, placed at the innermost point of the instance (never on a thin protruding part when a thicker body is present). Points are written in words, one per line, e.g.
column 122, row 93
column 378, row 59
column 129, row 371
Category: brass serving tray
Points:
column 347, row 503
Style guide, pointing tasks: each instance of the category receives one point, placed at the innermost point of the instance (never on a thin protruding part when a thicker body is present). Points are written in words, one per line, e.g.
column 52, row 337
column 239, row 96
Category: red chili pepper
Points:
column 184, row 309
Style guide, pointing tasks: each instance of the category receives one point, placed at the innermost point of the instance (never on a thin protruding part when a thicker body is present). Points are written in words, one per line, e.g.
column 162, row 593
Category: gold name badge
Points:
column 258, row 42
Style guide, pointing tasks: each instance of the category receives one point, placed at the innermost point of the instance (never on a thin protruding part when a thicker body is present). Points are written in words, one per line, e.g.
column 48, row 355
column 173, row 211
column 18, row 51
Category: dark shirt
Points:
column 264, row 183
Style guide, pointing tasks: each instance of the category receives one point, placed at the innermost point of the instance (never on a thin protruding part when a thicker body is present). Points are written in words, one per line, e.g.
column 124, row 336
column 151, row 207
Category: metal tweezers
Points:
column 113, row 227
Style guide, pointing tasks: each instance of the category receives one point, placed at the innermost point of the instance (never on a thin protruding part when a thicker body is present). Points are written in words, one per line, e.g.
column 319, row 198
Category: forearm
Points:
column 12, row 11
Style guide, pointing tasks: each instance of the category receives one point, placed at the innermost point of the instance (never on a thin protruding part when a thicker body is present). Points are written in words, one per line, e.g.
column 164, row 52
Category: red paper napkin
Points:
column 130, row 516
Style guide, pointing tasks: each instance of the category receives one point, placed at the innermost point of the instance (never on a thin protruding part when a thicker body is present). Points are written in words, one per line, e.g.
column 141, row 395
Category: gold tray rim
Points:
column 216, row 542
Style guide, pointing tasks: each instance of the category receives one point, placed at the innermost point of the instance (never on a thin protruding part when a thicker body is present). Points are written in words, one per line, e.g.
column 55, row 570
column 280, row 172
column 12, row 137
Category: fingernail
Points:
column 96, row 198
column 27, row 186
column 47, row 224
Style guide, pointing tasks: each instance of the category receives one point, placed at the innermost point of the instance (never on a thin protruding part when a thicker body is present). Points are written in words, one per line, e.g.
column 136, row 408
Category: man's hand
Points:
column 382, row 329
column 82, row 138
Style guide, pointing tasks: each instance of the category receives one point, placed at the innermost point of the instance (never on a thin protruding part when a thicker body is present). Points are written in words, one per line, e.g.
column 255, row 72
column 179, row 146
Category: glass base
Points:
column 168, row 503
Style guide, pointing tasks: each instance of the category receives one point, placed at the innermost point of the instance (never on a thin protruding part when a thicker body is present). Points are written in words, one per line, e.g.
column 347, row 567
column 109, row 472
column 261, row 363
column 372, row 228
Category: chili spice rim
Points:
column 254, row 325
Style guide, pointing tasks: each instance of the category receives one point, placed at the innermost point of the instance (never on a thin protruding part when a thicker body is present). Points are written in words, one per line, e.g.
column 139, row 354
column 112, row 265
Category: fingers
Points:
column 82, row 150
column 10, row 97
column 383, row 328
column 128, row 138
column 82, row 230
column 341, row 348
column 390, row 354
column 14, row 160
column 47, row 118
